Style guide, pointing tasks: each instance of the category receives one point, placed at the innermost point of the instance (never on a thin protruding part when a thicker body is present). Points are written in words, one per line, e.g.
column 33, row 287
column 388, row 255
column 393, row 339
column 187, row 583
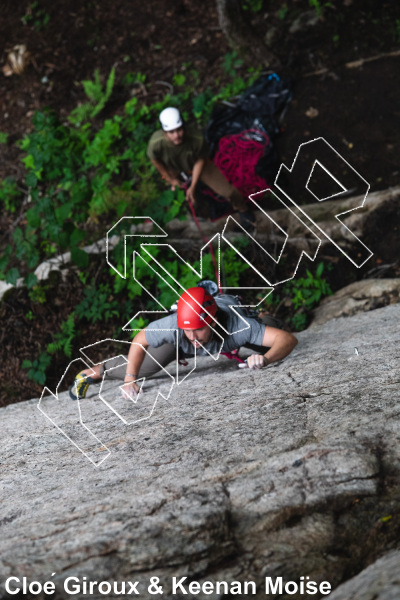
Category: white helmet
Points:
column 170, row 118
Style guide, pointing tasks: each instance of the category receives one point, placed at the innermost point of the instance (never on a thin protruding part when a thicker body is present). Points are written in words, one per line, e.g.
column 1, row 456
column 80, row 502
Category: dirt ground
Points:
column 356, row 109
column 344, row 68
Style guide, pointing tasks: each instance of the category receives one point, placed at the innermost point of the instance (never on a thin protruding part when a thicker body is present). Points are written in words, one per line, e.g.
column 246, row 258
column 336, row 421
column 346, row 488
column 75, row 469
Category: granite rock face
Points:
column 238, row 475
column 273, row 219
column 364, row 295
column 380, row 581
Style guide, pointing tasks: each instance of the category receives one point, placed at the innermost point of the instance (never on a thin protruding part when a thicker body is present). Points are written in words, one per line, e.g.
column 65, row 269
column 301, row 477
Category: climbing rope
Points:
column 207, row 241
column 237, row 158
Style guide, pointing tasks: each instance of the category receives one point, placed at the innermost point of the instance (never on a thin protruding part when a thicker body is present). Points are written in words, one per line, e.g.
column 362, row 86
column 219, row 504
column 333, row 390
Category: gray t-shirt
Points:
column 239, row 330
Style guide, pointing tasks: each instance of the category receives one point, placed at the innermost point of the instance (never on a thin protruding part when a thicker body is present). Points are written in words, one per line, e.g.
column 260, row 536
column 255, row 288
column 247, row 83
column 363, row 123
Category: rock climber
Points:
column 203, row 323
column 178, row 150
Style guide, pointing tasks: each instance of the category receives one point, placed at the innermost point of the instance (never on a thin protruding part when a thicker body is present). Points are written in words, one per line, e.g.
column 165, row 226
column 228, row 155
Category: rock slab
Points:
column 238, row 475
column 364, row 295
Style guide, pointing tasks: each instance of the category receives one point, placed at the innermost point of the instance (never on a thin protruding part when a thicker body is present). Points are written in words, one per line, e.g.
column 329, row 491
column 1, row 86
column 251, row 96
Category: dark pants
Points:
column 165, row 354
column 217, row 181
column 116, row 367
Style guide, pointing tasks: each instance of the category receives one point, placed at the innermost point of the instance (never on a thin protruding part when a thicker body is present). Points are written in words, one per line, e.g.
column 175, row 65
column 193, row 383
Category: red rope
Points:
column 207, row 242
column 237, row 158
column 234, row 355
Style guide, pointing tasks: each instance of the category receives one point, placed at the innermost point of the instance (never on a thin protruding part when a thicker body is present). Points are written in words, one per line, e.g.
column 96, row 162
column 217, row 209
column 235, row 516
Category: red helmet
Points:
column 195, row 309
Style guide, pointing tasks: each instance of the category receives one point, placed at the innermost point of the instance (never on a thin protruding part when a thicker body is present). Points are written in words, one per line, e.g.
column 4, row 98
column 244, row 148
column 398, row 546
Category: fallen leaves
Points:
column 17, row 60
column 311, row 113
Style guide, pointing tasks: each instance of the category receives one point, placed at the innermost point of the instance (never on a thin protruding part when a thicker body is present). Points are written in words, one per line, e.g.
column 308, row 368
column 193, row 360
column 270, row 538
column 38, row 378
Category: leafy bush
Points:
column 86, row 172
column 97, row 96
column 308, row 291
column 36, row 16
column 97, row 304
column 63, row 339
column 37, row 368
column 8, row 193
column 305, row 293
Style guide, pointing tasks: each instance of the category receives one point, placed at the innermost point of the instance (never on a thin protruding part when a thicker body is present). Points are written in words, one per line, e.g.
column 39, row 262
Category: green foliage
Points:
column 79, row 257
column 62, row 342
column 308, row 291
column 52, row 150
column 38, row 293
column 299, row 321
column 232, row 265
column 98, row 97
column 25, row 247
column 231, row 62
column 203, row 103
column 303, row 294
column 136, row 324
column 3, row 138
column 84, row 174
column 36, row 16
column 192, row 75
column 98, row 304
column 94, row 307
column 133, row 78
column 64, row 338
column 147, row 279
column 37, row 368
column 9, row 192
column 30, row 280
column 282, row 12
column 319, row 6
column 253, row 5
column 59, row 193
column 12, row 276
column 397, row 27
column 167, row 205
column 179, row 79
column 99, row 151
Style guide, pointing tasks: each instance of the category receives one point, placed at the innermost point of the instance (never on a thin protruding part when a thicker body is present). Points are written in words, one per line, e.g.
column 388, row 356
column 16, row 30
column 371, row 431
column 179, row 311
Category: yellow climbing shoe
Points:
column 79, row 388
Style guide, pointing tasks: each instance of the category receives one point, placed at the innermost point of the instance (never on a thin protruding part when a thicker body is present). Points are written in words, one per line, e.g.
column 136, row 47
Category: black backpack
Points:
column 261, row 108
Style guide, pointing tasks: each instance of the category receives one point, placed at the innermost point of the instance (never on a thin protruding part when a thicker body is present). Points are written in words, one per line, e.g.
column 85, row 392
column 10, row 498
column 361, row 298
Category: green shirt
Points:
column 181, row 157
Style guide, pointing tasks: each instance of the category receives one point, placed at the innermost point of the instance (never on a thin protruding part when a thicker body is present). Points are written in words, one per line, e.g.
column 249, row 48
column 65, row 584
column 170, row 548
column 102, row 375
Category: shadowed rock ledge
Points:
column 379, row 581
column 286, row 472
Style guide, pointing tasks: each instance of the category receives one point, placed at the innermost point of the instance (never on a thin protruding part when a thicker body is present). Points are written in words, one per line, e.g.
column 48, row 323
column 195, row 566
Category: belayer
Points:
column 205, row 325
column 178, row 151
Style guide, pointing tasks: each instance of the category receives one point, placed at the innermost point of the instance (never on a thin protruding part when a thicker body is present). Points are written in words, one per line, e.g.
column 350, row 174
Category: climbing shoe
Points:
column 80, row 386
